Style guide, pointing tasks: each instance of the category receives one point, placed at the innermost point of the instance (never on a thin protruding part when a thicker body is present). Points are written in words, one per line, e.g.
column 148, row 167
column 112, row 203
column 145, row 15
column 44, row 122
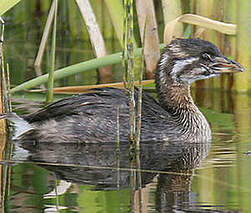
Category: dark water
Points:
column 170, row 177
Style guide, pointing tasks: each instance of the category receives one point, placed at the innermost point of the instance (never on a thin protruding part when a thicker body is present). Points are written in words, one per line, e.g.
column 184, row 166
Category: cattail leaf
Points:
column 5, row 5
column 226, row 28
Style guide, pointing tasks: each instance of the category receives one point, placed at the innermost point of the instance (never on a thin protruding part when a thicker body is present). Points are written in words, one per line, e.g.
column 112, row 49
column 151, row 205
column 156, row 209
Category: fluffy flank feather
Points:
column 20, row 125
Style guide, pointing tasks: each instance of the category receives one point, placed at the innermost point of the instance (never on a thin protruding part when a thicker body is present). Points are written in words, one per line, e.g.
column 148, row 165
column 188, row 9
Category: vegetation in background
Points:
column 73, row 28
column 169, row 18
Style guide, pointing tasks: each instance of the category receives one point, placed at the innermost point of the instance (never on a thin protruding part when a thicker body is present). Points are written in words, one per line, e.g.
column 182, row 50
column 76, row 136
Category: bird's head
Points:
column 188, row 60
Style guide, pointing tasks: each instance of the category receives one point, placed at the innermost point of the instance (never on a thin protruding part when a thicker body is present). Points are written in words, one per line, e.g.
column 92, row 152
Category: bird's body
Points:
column 92, row 117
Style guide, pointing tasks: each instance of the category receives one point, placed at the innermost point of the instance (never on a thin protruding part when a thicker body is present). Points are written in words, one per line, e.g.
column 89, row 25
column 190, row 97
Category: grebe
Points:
column 92, row 117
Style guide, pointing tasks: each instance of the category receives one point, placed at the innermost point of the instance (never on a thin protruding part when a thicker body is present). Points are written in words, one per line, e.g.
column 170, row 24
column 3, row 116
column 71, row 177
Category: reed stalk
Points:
column 115, row 9
column 8, row 88
column 139, row 183
column 74, row 19
column 108, row 29
column 148, row 28
column 118, row 129
column 205, row 9
column 2, row 122
column 45, row 36
column 218, row 40
column 230, row 41
column 4, row 89
column 242, row 82
column 92, row 27
column 139, row 108
column 3, row 179
column 118, row 149
column 95, row 35
column 128, row 62
column 171, row 10
column 133, row 176
column 56, row 192
column 5, row 95
column 49, row 97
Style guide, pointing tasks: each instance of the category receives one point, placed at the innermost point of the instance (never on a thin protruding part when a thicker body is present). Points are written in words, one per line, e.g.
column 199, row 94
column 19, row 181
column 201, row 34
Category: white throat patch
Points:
column 179, row 65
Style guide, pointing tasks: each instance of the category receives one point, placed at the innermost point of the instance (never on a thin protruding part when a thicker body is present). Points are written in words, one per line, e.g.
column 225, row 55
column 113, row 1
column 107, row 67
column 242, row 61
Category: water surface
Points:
column 162, row 177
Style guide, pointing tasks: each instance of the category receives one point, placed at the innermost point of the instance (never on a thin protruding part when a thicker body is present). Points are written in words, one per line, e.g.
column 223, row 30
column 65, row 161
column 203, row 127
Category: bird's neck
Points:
column 176, row 99
column 173, row 95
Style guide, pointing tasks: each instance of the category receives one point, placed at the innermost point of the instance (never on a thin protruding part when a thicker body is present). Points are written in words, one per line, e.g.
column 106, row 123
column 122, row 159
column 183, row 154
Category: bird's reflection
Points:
column 109, row 168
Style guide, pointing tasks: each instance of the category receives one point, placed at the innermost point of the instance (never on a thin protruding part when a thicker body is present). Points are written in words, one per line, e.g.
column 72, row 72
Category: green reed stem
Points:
column 128, row 62
column 242, row 82
column 139, row 180
column 4, row 91
column 49, row 97
column 118, row 150
column 76, row 69
column 8, row 87
column 139, row 108
column 139, row 112
column 1, row 61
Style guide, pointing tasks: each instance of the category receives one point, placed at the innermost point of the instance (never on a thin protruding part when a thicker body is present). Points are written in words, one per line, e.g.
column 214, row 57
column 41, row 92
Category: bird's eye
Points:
column 206, row 56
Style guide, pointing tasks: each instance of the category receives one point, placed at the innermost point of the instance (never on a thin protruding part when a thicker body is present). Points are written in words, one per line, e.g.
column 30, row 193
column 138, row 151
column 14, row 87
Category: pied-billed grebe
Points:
column 91, row 117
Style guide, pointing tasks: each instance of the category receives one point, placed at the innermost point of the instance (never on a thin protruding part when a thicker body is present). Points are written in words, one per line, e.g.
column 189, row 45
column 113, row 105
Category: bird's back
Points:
column 92, row 117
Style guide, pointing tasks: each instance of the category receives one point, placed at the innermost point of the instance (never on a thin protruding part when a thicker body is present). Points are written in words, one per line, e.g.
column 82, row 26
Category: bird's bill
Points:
column 221, row 65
